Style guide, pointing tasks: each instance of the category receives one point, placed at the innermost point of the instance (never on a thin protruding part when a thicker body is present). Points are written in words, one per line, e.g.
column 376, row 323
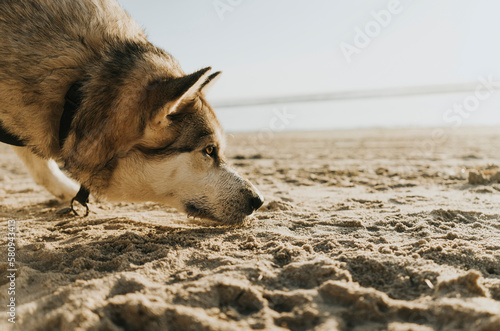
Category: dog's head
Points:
column 176, row 157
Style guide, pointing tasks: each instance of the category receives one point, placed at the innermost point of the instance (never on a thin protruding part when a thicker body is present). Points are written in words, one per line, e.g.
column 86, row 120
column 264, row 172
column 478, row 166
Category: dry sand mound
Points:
column 361, row 230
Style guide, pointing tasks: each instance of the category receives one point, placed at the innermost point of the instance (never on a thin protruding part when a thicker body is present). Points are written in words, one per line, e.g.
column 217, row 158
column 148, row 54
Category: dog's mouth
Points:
column 199, row 210
column 196, row 210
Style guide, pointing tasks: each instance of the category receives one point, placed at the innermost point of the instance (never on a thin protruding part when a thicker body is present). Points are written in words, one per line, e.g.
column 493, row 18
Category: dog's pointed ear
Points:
column 210, row 81
column 165, row 97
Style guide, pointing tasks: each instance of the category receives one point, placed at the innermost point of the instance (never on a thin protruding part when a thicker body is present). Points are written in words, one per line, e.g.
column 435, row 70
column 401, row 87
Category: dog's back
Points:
column 45, row 46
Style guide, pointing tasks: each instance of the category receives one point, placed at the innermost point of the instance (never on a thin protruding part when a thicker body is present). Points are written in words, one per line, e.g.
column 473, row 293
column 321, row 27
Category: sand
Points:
column 361, row 230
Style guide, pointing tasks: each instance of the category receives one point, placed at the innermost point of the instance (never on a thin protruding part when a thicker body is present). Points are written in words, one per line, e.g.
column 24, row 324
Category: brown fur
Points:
column 137, row 101
column 95, row 41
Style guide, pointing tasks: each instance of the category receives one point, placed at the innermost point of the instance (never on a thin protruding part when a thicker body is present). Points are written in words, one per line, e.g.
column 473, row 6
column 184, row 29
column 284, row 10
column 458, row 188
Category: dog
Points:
column 80, row 84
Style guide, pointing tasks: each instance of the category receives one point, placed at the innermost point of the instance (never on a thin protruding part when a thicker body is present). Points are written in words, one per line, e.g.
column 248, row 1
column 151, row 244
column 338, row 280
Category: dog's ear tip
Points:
column 211, row 79
column 207, row 69
column 214, row 76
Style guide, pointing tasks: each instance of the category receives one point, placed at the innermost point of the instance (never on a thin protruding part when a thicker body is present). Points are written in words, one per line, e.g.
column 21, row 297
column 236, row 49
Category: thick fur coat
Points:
column 143, row 130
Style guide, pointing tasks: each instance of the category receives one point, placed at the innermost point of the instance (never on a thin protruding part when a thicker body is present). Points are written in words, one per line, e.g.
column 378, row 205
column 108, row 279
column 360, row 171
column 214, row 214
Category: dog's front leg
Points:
column 48, row 174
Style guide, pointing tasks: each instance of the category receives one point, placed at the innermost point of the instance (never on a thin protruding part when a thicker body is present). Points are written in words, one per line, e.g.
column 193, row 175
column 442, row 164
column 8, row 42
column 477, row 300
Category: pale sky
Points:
column 285, row 47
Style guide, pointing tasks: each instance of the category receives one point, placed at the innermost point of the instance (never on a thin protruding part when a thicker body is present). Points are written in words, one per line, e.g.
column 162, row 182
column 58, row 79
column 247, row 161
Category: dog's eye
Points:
column 210, row 151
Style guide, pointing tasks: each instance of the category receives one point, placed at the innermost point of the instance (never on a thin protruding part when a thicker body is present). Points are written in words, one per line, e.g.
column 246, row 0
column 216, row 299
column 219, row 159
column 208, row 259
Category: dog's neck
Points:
column 73, row 100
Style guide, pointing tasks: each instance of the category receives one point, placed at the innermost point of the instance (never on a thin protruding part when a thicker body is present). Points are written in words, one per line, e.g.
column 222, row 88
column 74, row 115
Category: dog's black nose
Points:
column 256, row 202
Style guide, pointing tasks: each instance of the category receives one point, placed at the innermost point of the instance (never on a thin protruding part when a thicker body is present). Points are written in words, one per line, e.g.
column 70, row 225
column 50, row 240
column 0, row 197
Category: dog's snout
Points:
column 256, row 202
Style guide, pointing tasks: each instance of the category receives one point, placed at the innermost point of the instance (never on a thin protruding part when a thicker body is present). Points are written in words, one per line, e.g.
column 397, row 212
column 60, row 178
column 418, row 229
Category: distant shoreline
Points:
column 347, row 95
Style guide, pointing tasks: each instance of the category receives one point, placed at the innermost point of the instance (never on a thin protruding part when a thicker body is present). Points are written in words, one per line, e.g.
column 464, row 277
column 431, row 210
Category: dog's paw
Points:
column 56, row 182
column 64, row 193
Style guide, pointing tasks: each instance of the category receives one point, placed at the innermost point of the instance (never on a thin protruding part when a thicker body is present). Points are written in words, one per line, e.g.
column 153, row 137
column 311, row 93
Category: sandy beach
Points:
column 361, row 230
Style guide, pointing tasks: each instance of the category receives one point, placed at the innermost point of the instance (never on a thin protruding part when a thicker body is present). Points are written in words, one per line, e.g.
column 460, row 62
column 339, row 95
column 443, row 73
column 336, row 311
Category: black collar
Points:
column 72, row 101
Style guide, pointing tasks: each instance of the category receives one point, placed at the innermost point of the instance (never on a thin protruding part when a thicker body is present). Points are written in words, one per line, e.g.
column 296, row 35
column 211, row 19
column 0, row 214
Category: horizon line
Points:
column 352, row 94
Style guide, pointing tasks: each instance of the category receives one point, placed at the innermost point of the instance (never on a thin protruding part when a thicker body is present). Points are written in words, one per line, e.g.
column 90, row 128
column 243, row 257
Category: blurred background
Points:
column 333, row 64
